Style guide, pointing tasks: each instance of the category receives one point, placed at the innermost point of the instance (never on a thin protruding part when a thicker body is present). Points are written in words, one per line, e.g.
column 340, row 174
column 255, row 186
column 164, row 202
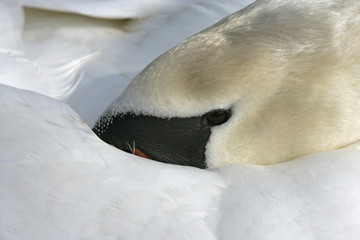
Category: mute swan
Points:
column 59, row 181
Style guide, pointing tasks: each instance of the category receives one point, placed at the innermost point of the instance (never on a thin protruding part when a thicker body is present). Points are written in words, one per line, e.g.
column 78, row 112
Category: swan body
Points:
column 53, row 71
column 59, row 181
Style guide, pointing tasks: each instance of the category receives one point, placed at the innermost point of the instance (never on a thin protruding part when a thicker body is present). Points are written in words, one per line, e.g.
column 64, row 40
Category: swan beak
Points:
column 179, row 141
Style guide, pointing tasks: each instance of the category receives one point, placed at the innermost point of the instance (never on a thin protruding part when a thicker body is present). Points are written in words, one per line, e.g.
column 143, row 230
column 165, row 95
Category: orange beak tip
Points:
column 139, row 153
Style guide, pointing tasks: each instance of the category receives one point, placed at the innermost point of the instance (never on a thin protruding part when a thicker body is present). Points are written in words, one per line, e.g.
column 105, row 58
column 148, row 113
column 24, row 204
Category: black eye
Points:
column 217, row 117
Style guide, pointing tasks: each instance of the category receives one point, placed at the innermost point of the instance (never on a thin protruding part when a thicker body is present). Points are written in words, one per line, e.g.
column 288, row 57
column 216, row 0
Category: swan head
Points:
column 272, row 82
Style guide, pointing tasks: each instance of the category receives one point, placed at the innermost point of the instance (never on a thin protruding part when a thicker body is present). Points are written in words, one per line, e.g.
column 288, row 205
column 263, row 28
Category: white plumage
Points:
column 53, row 71
column 59, row 181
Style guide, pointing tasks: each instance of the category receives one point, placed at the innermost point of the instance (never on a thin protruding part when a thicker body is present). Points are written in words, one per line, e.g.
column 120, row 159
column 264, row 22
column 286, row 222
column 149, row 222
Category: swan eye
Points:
column 217, row 117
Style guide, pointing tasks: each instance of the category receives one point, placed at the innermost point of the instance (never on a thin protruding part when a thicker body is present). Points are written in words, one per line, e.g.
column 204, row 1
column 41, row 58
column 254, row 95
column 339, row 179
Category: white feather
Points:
column 62, row 182
column 108, row 8
column 59, row 181
column 51, row 68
